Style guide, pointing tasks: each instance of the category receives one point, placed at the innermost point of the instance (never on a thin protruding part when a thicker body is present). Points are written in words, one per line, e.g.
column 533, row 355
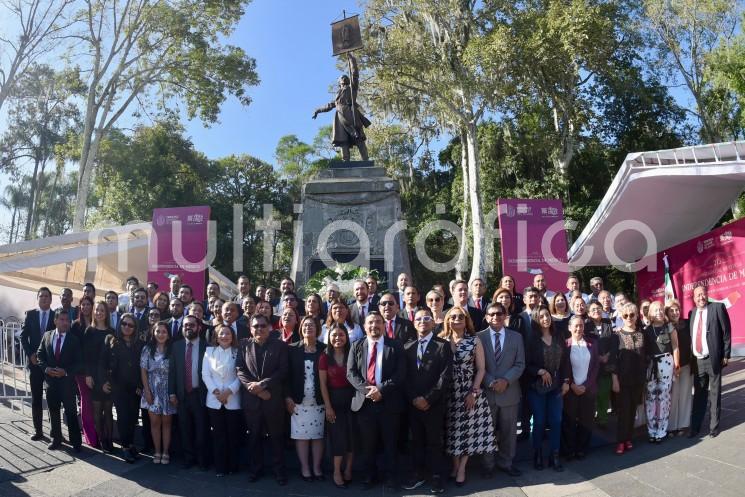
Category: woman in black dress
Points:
column 93, row 347
column 120, row 371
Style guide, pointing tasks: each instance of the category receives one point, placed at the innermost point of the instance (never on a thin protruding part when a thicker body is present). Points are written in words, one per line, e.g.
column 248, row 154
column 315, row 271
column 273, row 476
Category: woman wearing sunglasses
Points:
column 436, row 303
column 628, row 366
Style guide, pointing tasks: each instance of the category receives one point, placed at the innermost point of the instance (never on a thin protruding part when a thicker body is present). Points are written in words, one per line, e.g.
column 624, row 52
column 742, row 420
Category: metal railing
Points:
column 15, row 386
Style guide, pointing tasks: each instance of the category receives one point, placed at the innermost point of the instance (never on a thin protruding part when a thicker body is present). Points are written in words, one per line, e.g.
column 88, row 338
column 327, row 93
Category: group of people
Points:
column 449, row 372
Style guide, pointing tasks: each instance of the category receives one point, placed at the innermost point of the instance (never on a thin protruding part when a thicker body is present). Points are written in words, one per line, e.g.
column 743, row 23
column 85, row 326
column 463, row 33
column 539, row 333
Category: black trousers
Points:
column 61, row 393
column 427, row 430
column 374, row 423
column 127, row 404
column 627, row 400
column 269, row 418
column 342, row 432
column 226, row 436
column 706, row 380
column 192, row 421
column 577, row 422
column 36, row 377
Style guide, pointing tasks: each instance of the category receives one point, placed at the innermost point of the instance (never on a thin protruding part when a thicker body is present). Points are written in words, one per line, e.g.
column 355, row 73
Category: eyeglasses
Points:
column 495, row 313
column 127, row 324
column 457, row 317
column 424, row 319
column 628, row 316
column 386, row 303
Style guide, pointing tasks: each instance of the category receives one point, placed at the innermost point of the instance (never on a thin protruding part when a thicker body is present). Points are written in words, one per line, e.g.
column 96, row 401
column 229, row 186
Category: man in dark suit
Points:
column 396, row 327
column 711, row 341
column 411, row 303
column 460, row 298
column 175, row 323
column 60, row 357
column 372, row 287
column 262, row 369
column 187, row 392
column 376, row 368
column 402, row 282
column 230, row 313
column 429, row 369
column 65, row 299
column 38, row 321
column 112, row 305
column 504, row 358
column 477, row 299
column 139, row 308
column 361, row 306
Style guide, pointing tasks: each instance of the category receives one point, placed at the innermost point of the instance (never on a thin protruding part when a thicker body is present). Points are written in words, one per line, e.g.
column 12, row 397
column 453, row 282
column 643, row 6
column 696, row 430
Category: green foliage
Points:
column 343, row 275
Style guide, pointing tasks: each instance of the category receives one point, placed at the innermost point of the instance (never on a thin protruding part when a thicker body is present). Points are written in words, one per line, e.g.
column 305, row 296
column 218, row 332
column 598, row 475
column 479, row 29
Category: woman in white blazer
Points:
column 223, row 399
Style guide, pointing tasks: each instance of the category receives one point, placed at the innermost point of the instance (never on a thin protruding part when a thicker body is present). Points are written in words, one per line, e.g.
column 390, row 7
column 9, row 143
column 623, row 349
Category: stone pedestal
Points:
column 351, row 213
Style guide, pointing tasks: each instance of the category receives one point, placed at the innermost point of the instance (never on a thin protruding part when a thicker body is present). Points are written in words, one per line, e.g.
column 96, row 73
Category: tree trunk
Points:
column 461, row 264
column 12, row 225
column 478, row 264
column 32, row 197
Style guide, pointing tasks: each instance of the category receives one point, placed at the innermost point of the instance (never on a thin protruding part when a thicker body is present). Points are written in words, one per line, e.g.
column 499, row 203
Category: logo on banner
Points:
column 160, row 221
column 700, row 246
column 524, row 209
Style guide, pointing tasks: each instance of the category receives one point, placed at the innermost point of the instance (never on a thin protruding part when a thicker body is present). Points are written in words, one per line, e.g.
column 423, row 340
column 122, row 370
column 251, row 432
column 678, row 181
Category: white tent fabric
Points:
column 104, row 257
column 669, row 196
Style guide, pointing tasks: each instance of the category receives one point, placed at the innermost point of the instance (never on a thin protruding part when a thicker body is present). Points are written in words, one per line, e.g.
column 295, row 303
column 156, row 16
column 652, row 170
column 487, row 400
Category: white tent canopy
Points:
column 104, row 257
column 669, row 195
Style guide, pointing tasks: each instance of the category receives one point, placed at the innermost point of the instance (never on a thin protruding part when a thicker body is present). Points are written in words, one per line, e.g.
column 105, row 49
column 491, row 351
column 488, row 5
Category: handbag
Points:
column 542, row 388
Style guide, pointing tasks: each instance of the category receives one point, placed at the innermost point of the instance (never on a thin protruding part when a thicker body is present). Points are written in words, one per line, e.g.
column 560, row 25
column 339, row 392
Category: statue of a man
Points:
column 349, row 122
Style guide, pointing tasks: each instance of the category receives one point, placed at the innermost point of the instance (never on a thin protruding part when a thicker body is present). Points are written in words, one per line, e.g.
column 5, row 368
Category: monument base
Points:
column 351, row 213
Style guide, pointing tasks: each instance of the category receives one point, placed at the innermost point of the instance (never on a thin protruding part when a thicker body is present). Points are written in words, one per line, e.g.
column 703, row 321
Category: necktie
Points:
column 420, row 353
column 174, row 331
column 58, row 348
column 700, row 332
column 362, row 315
column 43, row 321
column 478, row 303
column 187, row 368
column 411, row 316
column 497, row 348
column 389, row 329
column 372, row 363
column 139, row 316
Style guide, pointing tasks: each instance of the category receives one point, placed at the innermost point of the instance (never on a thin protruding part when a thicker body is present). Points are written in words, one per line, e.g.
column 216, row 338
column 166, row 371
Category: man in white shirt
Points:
column 573, row 285
column 539, row 281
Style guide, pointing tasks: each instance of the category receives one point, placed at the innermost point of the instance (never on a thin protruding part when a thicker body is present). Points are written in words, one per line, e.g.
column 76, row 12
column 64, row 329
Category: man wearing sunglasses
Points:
column 396, row 327
column 504, row 355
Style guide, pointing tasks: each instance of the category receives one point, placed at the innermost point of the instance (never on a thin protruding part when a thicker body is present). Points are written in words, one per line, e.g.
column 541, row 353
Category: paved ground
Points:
column 679, row 467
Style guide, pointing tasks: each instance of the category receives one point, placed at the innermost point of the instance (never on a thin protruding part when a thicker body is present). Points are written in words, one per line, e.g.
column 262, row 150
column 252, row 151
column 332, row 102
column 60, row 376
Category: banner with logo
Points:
column 716, row 260
column 178, row 245
column 533, row 241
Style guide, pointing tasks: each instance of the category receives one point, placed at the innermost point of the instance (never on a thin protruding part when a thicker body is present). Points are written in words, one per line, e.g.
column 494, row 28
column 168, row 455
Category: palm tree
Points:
column 15, row 200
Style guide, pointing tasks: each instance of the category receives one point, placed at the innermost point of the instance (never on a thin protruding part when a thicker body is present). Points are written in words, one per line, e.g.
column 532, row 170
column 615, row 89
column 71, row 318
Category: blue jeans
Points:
column 547, row 409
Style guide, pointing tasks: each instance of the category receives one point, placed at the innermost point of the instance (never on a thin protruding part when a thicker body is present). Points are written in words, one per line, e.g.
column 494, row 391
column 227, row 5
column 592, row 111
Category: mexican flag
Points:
column 669, row 291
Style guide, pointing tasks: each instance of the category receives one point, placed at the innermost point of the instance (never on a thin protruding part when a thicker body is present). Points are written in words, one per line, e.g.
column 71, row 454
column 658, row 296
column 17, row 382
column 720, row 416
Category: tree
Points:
column 136, row 50
column 15, row 201
column 38, row 25
column 425, row 65
column 41, row 116
column 686, row 34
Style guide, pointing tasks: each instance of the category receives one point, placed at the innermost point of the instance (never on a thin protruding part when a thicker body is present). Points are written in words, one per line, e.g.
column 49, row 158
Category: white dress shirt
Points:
column 218, row 372
column 700, row 314
column 580, row 359
column 378, row 359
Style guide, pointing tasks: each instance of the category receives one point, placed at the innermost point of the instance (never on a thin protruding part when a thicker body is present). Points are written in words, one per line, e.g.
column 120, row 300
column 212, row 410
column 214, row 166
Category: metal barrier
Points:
column 15, row 387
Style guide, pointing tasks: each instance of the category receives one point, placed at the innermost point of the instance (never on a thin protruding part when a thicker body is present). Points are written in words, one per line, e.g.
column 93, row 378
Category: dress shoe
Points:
column 511, row 470
column 538, row 460
column 128, row 457
column 693, row 434
column 306, row 478
column 554, row 461
column 55, row 445
column 437, row 487
column 713, row 433
column 460, row 484
column 37, row 436
column 77, row 449
column 413, row 484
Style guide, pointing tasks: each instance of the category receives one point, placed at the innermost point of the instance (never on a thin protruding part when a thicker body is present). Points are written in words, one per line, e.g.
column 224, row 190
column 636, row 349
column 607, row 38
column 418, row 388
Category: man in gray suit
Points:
column 504, row 355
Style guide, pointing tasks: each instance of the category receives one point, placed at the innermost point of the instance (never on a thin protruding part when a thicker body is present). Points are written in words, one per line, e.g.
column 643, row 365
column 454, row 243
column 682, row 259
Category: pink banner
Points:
column 179, row 246
column 716, row 260
column 533, row 241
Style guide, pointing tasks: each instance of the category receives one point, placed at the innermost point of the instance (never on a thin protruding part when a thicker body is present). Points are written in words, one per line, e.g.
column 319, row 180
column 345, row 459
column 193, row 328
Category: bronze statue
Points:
column 349, row 122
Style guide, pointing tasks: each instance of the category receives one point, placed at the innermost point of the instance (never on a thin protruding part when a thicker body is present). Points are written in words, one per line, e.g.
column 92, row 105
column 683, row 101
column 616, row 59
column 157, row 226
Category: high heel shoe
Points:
column 156, row 458
column 538, row 459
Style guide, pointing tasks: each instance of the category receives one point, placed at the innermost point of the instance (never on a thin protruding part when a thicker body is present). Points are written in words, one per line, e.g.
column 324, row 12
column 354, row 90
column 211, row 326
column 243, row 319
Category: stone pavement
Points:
column 678, row 468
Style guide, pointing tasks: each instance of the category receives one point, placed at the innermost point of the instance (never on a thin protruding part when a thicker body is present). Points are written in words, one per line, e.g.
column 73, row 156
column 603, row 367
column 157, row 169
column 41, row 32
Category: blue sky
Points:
column 291, row 42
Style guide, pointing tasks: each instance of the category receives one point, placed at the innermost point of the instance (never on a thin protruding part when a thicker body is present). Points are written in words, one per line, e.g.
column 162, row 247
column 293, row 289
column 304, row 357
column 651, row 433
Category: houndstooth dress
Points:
column 468, row 432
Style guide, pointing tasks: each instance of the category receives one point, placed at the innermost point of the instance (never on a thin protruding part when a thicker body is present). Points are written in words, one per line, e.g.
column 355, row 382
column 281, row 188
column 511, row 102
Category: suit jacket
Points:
column 432, row 379
column 510, row 367
column 179, row 335
column 354, row 312
column 403, row 330
column 374, row 300
column 477, row 316
column 392, row 376
column 591, row 384
column 271, row 374
column 31, row 334
column 404, row 313
column 143, row 323
column 296, row 372
column 177, row 370
column 71, row 360
column 718, row 337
